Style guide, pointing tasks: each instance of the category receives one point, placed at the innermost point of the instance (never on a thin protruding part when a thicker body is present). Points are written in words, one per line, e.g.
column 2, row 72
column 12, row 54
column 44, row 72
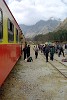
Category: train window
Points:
column 1, row 32
column 16, row 35
column 1, row 25
column 10, row 31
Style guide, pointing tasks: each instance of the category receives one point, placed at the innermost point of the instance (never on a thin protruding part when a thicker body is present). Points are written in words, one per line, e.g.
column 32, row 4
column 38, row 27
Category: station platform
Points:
column 35, row 80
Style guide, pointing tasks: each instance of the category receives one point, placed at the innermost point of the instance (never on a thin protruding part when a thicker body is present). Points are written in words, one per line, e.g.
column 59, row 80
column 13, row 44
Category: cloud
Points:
column 30, row 11
column 64, row 1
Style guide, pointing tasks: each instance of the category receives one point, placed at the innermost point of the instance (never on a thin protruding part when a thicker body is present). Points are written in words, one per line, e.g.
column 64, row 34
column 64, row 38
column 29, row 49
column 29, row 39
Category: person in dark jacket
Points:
column 61, row 51
column 66, row 49
column 28, row 51
column 36, row 51
column 25, row 51
column 46, row 51
column 52, row 51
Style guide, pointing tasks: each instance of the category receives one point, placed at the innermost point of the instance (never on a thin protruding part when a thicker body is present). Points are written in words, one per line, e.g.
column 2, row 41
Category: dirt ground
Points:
column 35, row 80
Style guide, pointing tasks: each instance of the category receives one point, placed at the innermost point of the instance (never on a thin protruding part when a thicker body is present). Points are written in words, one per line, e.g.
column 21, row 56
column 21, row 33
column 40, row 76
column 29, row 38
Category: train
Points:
column 12, row 41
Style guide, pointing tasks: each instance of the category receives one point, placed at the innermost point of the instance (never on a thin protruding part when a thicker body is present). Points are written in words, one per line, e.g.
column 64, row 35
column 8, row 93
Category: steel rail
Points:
column 55, row 66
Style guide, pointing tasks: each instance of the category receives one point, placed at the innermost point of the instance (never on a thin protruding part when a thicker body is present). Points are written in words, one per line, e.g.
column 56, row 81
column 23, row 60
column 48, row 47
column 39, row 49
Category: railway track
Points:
column 58, row 66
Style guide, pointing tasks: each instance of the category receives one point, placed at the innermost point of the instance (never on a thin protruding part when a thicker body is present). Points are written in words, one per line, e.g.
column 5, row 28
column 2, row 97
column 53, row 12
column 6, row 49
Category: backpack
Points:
column 29, row 59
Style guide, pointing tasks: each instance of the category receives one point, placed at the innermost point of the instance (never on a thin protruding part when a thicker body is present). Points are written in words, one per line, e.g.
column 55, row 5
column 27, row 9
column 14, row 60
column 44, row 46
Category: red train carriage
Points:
column 10, row 48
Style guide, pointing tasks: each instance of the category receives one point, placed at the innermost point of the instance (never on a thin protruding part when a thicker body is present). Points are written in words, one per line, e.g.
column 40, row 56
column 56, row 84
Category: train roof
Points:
column 12, row 14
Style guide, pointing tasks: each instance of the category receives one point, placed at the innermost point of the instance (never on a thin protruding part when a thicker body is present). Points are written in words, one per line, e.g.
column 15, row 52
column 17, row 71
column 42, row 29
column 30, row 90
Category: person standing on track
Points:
column 52, row 51
column 66, row 49
column 61, row 50
column 36, row 51
column 46, row 51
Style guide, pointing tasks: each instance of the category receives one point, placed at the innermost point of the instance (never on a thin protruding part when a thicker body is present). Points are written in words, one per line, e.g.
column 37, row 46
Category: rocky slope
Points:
column 41, row 27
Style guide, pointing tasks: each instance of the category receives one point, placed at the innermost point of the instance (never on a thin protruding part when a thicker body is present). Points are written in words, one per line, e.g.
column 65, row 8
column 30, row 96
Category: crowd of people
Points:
column 52, row 49
column 47, row 50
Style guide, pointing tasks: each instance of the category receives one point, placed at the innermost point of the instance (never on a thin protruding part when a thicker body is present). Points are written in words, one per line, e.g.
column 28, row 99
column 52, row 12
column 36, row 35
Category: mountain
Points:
column 41, row 27
column 62, row 25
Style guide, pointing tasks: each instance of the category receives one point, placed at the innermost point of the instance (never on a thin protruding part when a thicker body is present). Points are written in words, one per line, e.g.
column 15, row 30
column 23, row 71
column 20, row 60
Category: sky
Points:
column 29, row 12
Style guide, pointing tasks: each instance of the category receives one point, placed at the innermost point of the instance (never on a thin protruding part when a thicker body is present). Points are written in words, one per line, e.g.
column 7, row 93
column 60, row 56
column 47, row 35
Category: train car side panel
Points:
column 9, row 54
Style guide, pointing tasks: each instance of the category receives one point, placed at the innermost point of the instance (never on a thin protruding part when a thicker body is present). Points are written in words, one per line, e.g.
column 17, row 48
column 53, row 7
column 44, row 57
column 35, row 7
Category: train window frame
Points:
column 10, row 31
column 17, row 35
column 1, row 25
